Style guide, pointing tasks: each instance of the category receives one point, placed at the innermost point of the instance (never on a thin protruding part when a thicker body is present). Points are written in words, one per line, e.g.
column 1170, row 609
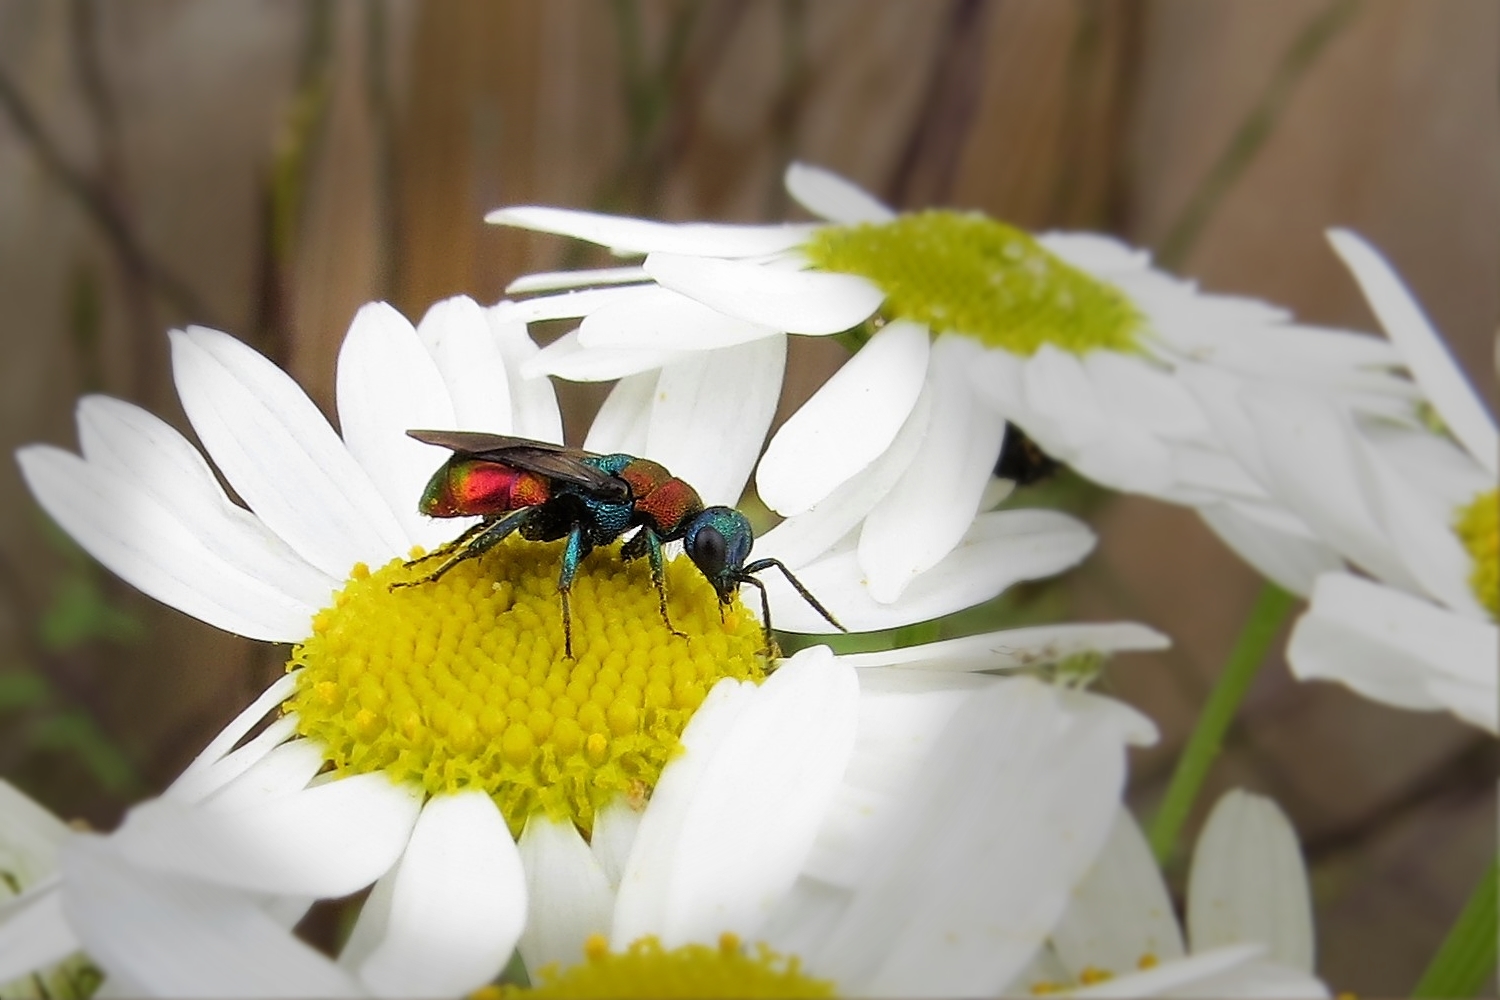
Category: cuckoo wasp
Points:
column 547, row 492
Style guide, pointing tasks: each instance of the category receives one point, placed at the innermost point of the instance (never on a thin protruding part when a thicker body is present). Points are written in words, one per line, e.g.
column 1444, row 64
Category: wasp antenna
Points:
column 761, row 564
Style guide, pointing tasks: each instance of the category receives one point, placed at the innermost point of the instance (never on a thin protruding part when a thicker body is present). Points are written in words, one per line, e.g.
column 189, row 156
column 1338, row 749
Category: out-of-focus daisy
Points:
column 1249, row 917
column 37, row 952
column 1412, row 507
column 85, row 913
column 423, row 731
column 965, row 323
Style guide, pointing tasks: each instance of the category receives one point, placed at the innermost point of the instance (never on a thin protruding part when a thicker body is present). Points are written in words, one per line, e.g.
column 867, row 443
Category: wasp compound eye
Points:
column 707, row 551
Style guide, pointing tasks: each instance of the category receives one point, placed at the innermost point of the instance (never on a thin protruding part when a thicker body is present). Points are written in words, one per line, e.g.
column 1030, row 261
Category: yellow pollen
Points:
column 1478, row 527
column 965, row 273
column 1147, row 961
column 462, row 683
column 646, row 969
column 1089, row 975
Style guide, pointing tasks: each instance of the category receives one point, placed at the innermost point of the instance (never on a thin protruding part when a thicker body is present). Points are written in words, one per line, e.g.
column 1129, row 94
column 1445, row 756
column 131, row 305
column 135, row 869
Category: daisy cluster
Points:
column 636, row 804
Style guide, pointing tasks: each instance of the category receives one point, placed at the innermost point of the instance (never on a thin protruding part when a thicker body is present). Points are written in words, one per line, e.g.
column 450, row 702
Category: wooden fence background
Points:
column 267, row 167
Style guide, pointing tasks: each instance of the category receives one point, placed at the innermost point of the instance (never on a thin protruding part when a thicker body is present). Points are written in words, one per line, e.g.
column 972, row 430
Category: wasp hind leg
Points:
column 647, row 543
column 470, row 545
column 456, row 544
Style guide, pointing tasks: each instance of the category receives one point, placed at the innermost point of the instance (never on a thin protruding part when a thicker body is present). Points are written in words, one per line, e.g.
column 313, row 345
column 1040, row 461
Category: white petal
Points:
column 29, row 836
column 1098, row 255
column 641, row 906
column 847, row 423
column 1166, row 979
column 34, row 931
column 280, row 455
column 387, row 384
column 1397, row 649
column 829, row 196
column 533, row 401
column 1146, row 396
column 1000, row 549
column 570, row 305
column 800, row 539
column 1074, row 419
column 810, row 302
column 660, row 319
column 549, row 281
column 1121, row 912
column 325, row 841
column 454, row 906
column 1423, row 538
column 144, row 449
column 975, row 872
column 1313, row 458
column 1421, row 348
column 169, row 936
column 1016, row 648
column 640, row 236
column 1292, row 560
column 284, row 770
column 615, row 827
column 620, row 425
column 710, row 414
column 196, row 782
column 457, row 336
column 927, row 512
column 154, row 550
column 751, row 816
column 1248, row 883
column 566, row 358
column 569, row 892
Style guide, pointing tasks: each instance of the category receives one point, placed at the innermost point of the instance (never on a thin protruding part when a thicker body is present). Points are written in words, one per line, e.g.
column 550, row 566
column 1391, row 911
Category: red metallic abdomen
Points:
column 469, row 486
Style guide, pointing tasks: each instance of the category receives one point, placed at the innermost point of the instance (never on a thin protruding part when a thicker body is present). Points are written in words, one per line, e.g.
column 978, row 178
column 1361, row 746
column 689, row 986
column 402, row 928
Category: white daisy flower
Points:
column 785, row 793
column 422, row 729
column 36, row 950
column 1249, row 926
column 966, row 323
column 1412, row 507
column 929, row 854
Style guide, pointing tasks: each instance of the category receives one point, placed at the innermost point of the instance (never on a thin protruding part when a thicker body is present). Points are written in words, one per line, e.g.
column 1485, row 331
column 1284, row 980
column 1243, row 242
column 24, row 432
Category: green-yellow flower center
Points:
column 462, row 682
column 646, row 969
column 1478, row 527
column 966, row 273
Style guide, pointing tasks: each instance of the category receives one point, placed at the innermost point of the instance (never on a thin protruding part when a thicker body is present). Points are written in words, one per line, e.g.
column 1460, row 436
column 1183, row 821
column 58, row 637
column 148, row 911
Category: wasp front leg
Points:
column 646, row 542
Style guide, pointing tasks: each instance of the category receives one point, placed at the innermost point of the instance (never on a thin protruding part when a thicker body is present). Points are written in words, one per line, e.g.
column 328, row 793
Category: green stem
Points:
column 1270, row 611
column 1467, row 956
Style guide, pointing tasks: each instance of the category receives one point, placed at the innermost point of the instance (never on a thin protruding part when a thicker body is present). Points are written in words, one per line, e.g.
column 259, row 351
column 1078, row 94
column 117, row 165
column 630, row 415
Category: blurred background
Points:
column 267, row 167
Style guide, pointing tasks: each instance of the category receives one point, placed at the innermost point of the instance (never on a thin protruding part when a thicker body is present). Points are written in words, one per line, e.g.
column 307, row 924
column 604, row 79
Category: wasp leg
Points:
column 577, row 548
column 447, row 547
column 649, row 542
column 482, row 541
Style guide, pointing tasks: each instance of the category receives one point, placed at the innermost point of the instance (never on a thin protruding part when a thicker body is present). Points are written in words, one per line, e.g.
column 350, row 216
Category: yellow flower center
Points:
column 966, row 273
column 461, row 682
column 646, row 969
column 1478, row 527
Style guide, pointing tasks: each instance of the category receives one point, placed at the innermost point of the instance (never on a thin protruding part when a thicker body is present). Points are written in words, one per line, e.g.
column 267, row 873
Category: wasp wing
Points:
column 551, row 460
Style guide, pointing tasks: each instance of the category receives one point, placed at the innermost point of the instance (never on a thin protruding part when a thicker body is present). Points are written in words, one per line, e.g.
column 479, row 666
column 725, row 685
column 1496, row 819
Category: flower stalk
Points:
column 1468, row 954
column 1270, row 612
